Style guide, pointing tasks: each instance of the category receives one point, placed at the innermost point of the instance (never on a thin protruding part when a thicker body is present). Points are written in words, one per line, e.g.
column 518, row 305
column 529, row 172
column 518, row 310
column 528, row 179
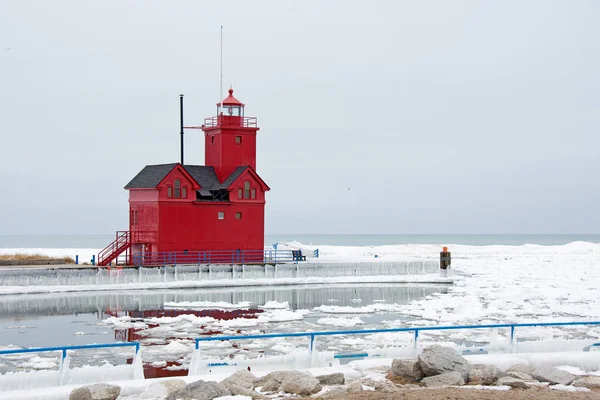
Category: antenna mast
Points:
column 221, row 86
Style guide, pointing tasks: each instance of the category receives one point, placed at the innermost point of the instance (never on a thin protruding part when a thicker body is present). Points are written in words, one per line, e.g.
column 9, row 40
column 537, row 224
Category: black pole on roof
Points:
column 181, row 124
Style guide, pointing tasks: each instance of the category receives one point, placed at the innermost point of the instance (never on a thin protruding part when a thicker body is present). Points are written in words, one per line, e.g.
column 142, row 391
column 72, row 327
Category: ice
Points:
column 344, row 310
column 340, row 322
column 283, row 315
column 237, row 397
column 275, row 305
column 481, row 387
column 492, row 284
column 176, row 347
column 565, row 388
column 206, row 304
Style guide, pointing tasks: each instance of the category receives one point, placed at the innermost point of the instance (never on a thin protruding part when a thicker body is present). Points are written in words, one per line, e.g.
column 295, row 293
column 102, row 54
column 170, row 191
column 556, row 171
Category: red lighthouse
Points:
column 190, row 210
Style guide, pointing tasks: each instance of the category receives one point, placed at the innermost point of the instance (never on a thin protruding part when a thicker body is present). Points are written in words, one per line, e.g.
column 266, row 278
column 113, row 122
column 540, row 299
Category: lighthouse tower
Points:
column 229, row 138
column 199, row 213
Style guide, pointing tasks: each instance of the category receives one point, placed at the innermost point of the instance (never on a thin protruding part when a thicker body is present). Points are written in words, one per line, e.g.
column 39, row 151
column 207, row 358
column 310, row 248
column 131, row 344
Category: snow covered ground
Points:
column 495, row 284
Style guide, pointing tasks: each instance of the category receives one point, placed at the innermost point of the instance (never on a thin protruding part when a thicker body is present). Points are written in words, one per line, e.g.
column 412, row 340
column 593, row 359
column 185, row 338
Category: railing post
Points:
column 513, row 342
column 312, row 342
column 416, row 344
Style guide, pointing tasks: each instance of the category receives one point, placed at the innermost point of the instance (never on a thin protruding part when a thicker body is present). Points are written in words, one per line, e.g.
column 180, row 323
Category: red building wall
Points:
column 223, row 153
column 197, row 227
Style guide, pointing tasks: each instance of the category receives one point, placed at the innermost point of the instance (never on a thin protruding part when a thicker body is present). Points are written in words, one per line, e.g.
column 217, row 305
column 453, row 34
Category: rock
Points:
column 200, row 390
column 242, row 378
column 98, row 391
column 355, row 387
column 435, row 360
column 512, row 382
column 525, row 369
column 407, row 369
column 331, row 379
column 162, row 389
column 300, row 383
column 334, row 394
column 590, row 382
column 380, row 385
column 485, row 374
column 453, row 378
column 270, row 382
column 388, row 387
column 553, row 375
column 519, row 375
column 409, row 386
column 237, row 390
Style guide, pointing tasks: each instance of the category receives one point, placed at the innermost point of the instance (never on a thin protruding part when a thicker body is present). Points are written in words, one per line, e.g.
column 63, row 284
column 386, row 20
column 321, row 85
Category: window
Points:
column 238, row 140
column 169, row 192
column 246, row 190
column 221, row 215
column 134, row 217
column 238, row 215
column 177, row 186
column 240, row 193
column 212, row 139
column 184, row 193
column 253, row 193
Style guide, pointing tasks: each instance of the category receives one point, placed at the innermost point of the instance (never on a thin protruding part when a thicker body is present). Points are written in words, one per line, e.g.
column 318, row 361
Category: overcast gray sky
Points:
column 375, row 116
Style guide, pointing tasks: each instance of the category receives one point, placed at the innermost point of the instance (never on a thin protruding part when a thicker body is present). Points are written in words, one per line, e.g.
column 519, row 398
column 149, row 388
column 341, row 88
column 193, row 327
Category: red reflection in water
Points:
column 131, row 334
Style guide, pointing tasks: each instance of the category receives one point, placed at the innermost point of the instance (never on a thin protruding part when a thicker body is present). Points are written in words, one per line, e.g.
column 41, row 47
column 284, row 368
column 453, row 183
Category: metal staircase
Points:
column 113, row 250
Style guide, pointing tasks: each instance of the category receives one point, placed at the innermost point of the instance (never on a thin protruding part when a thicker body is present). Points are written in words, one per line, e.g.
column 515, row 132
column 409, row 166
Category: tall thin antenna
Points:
column 221, row 86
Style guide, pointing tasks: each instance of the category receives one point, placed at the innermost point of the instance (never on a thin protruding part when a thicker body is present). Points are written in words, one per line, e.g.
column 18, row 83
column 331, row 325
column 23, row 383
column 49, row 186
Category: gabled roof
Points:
column 205, row 176
column 234, row 175
column 238, row 172
column 150, row 176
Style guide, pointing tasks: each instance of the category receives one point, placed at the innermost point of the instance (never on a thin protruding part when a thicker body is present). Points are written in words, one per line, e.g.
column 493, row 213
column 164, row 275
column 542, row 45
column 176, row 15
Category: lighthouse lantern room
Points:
column 217, row 208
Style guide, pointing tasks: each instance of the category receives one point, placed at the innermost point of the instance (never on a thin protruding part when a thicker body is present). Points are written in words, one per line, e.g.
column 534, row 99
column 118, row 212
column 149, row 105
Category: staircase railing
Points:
column 110, row 252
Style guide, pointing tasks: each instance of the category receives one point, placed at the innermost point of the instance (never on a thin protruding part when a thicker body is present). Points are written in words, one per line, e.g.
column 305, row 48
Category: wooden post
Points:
column 445, row 258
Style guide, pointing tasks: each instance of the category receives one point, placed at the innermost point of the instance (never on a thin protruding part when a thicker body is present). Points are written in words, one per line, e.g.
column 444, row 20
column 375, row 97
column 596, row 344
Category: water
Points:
column 100, row 241
column 48, row 320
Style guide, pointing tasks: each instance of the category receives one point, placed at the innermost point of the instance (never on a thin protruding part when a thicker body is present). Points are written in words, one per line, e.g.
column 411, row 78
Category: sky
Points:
column 375, row 117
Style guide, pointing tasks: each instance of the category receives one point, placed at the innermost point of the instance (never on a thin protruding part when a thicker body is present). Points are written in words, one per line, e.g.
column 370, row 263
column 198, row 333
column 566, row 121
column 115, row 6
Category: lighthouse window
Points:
column 184, row 193
column 177, row 185
column 240, row 193
column 246, row 190
column 253, row 193
column 238, row 215
column 212, row 140
column 238, row 140
column 221, row 215
column 169, row 192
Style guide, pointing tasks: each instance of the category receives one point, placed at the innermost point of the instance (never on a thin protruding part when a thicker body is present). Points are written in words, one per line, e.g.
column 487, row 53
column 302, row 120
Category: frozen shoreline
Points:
column 416, row 279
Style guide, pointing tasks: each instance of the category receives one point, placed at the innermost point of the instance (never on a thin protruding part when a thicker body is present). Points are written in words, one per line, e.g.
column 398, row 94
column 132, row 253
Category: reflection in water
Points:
column 73, row 318
column 298, row 297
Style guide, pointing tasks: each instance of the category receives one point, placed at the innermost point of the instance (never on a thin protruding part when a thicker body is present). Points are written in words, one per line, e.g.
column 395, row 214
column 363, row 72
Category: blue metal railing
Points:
column 216, row 257
column 63, row 367
column 64, row 349
column 416, row 331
